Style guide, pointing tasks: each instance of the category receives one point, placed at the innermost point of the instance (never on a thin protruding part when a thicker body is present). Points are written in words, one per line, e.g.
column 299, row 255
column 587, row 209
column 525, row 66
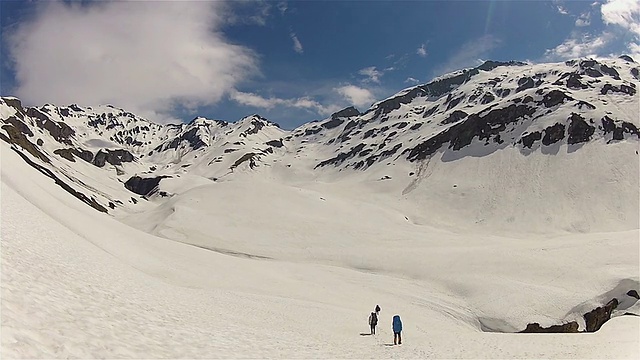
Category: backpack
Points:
column 374, row 318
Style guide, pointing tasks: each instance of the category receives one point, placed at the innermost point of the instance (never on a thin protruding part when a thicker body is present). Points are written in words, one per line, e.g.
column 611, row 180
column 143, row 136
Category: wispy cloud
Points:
column 297, row 46
column 422, row 51
column 258, row 101
column 360, row 97
column 131, row 54
column 584, row 20
column 469, row 54
column 372, row 74
column 579, row 46
column 411, row 80
column 282, row 6
column 622, row 23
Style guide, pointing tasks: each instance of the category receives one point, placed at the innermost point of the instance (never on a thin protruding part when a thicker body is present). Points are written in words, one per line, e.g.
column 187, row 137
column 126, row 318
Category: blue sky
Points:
column 291, row 62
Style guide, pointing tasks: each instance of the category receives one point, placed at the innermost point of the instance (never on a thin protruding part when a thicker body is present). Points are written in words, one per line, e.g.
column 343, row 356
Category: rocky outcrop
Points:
column 143, row 186
column 346, row 112
column 553, row 134
column 579, row 130
column 596, row 317
column 571, row 327
column 113, row 157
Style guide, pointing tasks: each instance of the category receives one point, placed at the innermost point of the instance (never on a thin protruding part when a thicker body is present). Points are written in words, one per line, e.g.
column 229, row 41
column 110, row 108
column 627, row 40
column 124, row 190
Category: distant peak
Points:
column 346, row 112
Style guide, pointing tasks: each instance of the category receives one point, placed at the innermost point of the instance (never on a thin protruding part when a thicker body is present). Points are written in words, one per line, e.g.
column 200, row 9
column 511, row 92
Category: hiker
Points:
column 377, row 309
column 373, row 321
column 397, row 330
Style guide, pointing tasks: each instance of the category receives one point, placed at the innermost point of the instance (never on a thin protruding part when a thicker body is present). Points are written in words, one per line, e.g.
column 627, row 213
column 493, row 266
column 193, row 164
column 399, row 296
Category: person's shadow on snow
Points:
column 365, row 334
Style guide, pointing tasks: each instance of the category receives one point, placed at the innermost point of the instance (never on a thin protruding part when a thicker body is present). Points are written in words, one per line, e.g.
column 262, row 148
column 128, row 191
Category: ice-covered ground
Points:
column 265, row 269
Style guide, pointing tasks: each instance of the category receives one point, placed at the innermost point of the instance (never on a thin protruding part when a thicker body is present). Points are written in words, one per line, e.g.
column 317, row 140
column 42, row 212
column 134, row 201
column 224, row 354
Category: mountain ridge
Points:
column 497, row 106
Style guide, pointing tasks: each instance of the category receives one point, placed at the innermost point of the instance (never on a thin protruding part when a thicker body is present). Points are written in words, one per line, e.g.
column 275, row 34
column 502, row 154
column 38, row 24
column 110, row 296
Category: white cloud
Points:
column 584, row 20
column 579, row 46
column 422, row 51
column 357, row 96
column 372, row 74
column 257, row 101
column 411, row 80
column 562, row 10
column 147, row 57
column 297, row 46
column 624, row 13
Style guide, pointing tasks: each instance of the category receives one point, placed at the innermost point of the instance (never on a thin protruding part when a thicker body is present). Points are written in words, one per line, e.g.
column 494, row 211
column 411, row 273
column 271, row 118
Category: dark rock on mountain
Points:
column 554, row 97
column 579, row 130
column 528, row 140
column 143, row 186
column 14, row 103
column 487, row 98
column 341, row 157
column 609, row 71
column 60, row 131
column 596, row 317
column 453, row 103
column 571, row 327
column 626, row 58
column 636, row 73
column 251, row 157
column 633, row 294
column 17, row 137
column 622, row 89
column 346, row 112
column 275, row 143
column 415, row 126
column 334, row 122
column 618, row 128
column 113, row 157
column 525, row 83
column 22, row 127
column 553, row 134
column 455, row 116
column 71, row 152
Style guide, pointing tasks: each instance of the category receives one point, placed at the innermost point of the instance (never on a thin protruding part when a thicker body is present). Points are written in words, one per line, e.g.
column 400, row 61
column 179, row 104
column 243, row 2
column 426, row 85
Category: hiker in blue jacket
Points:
column 397, row 330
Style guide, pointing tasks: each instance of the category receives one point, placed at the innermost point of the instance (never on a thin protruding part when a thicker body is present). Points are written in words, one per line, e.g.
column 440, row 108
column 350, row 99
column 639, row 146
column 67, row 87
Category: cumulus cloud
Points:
column 411, row 80
column 372, row 74
column 258, row 101
column 297, row 46
column 355, row 95
column 624, row 13
column 148, row 57
column 422, row 51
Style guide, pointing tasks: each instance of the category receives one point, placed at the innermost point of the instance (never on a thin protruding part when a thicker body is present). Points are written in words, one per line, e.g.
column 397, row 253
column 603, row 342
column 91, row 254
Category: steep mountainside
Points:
column 503, row 145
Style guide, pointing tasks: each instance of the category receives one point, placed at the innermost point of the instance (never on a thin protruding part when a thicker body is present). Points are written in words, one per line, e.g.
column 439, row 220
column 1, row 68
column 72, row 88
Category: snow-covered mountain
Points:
column 502, row 198
column 474, row 143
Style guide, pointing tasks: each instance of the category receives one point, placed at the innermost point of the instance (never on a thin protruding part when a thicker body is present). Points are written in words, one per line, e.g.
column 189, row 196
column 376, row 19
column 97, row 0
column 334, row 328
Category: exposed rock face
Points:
column 485, row 127
column 595, row 318
column 113, row 157
column 60, row 131
column 70, row 152
column 529, row 139
column 571, row 327
column 275, row 143
column 350, row 111
column 619, row 128
column 251, row 157
column 579, row 131
column 143, row 186
column 18, row 138
column 553, row 134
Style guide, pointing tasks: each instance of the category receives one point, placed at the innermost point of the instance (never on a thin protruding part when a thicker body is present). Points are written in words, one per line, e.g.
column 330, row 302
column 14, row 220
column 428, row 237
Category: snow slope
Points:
column 253, row 241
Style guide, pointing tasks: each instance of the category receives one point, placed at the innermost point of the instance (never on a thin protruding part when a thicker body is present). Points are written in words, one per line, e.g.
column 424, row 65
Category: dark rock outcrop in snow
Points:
column 143, row 186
